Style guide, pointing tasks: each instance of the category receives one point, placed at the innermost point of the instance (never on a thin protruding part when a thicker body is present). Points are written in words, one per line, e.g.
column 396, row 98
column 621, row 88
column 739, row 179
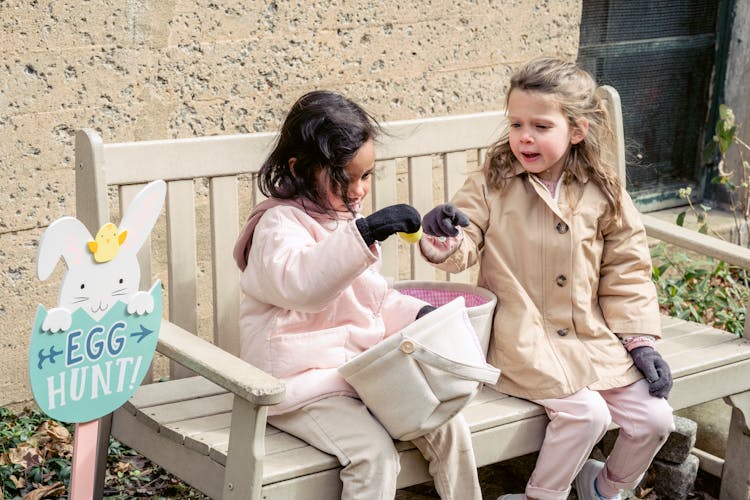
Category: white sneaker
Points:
column 584, row 482
column 513, row 496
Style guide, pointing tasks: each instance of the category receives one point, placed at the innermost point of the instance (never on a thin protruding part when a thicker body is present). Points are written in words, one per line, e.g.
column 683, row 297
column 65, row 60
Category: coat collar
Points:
column 517, row 169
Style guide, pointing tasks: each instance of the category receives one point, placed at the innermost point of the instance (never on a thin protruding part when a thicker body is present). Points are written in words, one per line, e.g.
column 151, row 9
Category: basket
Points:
column 420, row 377
column 480, row 302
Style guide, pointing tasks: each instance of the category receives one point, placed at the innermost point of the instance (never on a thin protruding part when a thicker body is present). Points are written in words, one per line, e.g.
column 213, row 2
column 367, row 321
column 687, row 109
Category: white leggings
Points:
column 342, row 426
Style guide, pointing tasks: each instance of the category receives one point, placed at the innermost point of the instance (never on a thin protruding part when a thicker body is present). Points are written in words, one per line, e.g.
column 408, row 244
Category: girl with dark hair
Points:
column 314, row 299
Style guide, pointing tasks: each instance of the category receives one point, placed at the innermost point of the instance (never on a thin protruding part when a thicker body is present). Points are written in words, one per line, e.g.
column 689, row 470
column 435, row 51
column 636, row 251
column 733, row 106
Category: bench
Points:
column 207, row 424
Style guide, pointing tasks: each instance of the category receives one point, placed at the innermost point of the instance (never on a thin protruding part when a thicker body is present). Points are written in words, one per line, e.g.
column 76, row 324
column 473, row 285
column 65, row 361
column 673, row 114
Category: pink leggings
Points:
column 579, row 421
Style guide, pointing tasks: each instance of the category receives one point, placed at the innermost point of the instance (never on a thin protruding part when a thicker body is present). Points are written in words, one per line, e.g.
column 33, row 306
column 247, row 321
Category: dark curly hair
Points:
column 322, row 132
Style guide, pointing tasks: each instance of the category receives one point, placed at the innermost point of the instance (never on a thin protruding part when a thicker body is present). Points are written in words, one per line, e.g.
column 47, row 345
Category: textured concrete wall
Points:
column 151, row 69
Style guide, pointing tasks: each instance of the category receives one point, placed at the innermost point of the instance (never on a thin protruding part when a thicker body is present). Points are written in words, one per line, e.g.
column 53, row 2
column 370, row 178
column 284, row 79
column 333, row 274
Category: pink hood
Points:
column 245, row 239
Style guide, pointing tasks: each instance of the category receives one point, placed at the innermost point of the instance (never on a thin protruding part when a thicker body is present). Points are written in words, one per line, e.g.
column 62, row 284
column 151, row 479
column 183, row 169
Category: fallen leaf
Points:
column 18, row 482
column 645, row 492
column 55, row 431
column 24, row 455
column 56, row 489
column 122, row 467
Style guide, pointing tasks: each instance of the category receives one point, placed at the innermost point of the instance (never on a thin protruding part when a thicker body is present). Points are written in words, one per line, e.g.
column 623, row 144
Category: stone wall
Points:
column 153, row 69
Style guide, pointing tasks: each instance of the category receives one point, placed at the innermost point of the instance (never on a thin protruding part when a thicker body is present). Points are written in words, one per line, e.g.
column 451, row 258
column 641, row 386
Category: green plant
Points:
column 35, row 463
column 35, row 454
column 702, row 290
column 708, row 291
column 735, row 181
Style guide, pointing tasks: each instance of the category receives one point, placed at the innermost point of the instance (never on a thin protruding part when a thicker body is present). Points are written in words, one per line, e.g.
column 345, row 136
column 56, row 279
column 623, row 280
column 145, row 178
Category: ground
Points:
column 510, row 477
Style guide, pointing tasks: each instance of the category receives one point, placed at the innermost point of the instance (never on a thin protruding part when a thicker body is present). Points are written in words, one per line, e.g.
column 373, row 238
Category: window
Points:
column 661, row 56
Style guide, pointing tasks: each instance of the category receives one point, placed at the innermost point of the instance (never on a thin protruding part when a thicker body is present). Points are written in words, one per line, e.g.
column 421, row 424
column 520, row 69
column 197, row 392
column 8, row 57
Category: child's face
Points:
column 540, row 135
column 359, row 171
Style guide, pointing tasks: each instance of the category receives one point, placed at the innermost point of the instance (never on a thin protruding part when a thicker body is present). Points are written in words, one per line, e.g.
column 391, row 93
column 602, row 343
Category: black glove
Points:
column 655, row 369
column 379, row 225
column 443, row 219
column 425, row 310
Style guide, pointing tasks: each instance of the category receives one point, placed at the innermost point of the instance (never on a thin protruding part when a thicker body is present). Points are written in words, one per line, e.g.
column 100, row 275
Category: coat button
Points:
column 561, row 227
column 407, row 347
column 561, row 280
column 562, row 332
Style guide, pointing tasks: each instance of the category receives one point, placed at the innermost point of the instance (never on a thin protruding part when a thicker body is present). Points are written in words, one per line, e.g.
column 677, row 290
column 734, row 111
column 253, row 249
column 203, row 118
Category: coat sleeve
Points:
column 399, row 310
column 471, row 199
column 627, row 296
column 294, row 263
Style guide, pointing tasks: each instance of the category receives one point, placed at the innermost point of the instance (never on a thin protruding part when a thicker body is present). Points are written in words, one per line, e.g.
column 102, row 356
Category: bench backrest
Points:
column 211, row 189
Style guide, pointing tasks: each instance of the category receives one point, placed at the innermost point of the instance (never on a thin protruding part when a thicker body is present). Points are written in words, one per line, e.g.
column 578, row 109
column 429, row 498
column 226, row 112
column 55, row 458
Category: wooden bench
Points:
column 210, row 428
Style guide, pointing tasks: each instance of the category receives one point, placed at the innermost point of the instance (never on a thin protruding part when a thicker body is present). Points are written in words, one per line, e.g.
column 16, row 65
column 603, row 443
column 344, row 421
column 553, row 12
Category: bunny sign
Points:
column 89, row 354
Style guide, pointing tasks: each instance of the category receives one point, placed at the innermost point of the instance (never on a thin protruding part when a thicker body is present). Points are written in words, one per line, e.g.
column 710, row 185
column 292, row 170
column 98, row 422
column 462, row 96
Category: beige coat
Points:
column 569, row 284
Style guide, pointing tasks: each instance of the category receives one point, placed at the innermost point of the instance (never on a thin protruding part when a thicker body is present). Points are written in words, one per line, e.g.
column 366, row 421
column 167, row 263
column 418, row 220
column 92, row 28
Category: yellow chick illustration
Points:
column 107, row 242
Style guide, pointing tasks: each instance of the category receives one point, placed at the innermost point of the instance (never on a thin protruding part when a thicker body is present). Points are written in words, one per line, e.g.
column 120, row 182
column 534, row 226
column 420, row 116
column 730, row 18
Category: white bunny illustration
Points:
column 94, row 285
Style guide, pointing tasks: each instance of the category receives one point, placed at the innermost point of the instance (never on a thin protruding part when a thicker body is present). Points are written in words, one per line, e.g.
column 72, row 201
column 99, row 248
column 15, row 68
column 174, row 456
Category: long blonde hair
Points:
column 574, row 90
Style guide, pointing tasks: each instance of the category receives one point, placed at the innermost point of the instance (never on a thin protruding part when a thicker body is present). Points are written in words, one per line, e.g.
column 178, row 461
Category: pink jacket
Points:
column 313, row 300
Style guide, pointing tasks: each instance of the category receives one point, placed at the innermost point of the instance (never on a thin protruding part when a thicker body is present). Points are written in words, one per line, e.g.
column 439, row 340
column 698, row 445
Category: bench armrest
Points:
column 219, row 366
column 703, row 244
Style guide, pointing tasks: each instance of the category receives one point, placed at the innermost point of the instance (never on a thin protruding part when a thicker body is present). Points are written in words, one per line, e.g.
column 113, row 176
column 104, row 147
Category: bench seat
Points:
column 193, row 418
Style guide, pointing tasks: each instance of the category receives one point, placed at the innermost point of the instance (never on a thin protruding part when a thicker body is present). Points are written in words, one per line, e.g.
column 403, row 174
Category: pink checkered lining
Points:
column 438, row 297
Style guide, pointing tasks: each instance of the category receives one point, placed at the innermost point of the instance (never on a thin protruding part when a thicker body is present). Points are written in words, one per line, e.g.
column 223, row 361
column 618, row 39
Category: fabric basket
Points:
column 480, row 302
column 417, row 379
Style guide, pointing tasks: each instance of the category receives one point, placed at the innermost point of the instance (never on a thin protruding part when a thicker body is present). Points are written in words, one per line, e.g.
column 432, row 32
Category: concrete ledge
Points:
column 709, row 463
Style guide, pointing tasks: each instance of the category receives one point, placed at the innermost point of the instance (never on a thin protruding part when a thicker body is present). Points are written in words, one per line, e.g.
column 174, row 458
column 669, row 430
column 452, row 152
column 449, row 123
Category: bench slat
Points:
column 172, row 391
column 215, row 444
column 500, row 412
column 702, row 359
column 676, row 346
column 293, row 463
column 681, row 327
column 420, row 194
column 455, row 170
column 709, row 385
column 226, row 277
column 181, row 430
column 182, row 262
column 156, row 416
column 428, row 136
column 176, row 159
column 383, row 194
column 126, row 195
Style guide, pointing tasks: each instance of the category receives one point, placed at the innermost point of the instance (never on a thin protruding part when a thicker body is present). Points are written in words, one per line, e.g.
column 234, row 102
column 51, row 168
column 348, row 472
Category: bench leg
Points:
column 735, row 477
column 243, row 475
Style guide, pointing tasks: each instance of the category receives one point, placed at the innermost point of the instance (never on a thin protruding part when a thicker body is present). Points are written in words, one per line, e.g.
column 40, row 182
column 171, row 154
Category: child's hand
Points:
column 425, row 310
column 655, row 369
column 443, row 219
column 380, row 225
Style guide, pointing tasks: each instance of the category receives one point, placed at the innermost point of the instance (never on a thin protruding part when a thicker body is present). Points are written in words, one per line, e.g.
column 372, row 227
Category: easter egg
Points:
column 411, row 237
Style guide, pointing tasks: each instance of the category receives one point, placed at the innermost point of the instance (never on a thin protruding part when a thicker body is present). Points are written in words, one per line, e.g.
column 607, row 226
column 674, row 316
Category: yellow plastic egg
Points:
column 411, row 237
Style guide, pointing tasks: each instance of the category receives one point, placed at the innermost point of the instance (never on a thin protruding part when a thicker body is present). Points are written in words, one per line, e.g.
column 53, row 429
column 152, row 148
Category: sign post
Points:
column 90, row 353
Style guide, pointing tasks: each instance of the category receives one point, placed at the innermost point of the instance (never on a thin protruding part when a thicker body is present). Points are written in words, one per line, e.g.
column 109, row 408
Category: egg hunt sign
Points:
column 93, row 367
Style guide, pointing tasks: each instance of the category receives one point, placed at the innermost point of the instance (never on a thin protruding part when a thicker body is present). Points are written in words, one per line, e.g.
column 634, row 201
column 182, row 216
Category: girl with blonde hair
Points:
column 560, row 243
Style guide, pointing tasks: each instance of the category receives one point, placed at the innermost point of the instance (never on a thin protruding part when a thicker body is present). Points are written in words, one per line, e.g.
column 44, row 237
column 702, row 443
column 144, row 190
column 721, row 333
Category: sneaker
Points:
column 585, row 482
column 513, row 496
